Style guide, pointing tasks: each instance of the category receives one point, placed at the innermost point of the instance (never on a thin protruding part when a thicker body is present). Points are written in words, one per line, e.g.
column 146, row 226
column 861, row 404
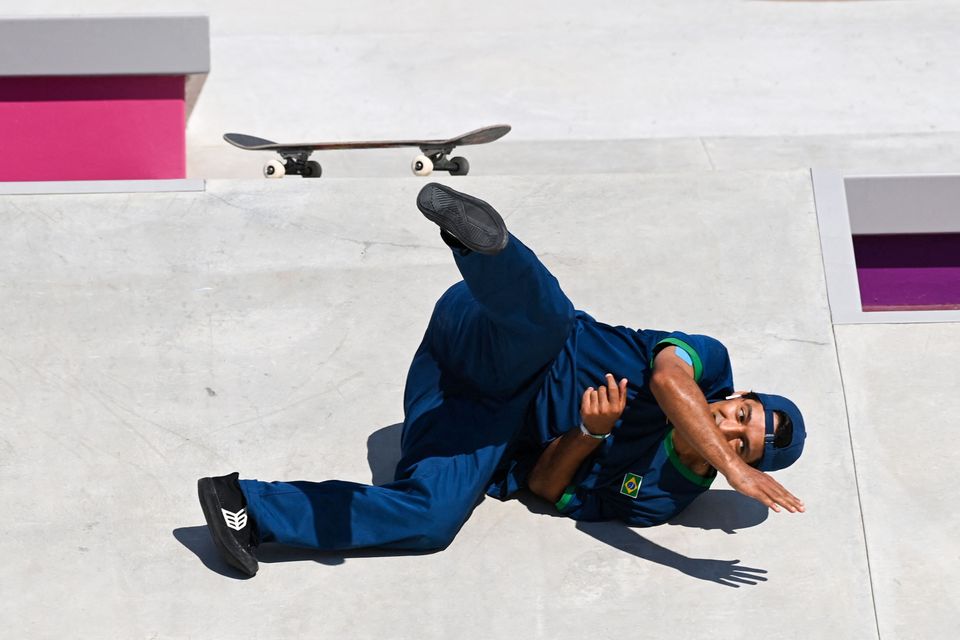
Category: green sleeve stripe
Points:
column 565, row 499
column 697, row 363
column 682, row 468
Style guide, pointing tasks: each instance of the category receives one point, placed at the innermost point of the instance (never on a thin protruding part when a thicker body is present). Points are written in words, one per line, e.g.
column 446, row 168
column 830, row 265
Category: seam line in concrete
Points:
column 703, row 145
column 856, row 478
column 846, row 412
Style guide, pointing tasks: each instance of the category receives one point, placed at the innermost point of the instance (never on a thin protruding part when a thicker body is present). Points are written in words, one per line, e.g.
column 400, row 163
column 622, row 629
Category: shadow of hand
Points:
column 729, row 573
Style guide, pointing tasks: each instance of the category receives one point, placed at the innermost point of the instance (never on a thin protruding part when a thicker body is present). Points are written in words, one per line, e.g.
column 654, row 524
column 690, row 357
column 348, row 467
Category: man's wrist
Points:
column 728, row 464
column 596, row 436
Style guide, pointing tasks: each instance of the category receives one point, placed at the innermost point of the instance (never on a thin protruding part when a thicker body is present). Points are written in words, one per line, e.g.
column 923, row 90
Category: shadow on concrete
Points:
column 383, row 453
column 722, row 509
column 719, row 509
column 729, row 573
column 197, row 539
column 276, row 553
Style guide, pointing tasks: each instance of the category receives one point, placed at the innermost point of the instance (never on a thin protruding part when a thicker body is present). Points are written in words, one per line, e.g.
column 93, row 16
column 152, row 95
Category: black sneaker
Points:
column 231, row 527
column 470, row 220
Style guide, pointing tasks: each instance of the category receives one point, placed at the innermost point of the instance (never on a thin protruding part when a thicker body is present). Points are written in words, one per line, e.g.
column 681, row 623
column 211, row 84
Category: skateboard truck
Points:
column 433, row 159
column 295, row 162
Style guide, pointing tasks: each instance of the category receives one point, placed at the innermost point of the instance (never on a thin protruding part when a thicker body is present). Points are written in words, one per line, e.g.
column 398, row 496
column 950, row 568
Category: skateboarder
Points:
column 512, row 388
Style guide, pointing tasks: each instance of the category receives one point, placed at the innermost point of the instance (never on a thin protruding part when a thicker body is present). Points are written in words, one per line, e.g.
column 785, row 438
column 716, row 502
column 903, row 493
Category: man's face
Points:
column 742, row 424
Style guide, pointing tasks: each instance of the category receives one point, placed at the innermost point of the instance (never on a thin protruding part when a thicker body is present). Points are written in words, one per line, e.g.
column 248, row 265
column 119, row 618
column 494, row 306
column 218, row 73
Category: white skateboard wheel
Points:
column 274, row 169
column 422, row 165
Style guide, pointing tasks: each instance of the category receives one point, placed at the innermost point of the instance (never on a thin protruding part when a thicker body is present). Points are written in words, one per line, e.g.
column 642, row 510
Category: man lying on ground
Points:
column 512, row 388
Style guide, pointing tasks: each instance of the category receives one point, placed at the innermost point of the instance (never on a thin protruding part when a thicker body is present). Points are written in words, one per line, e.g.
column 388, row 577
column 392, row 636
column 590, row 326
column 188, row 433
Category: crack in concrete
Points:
column 230, row 204
column 816, row 342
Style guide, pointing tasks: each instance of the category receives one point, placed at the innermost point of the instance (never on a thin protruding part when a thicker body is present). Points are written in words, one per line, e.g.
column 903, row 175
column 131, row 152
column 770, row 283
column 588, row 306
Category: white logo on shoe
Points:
column 235, row 520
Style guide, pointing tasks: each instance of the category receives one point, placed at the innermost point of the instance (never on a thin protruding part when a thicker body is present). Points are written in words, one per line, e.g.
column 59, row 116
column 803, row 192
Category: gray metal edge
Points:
column 839, row 263
column 101, row 186
column 931, row 199
column 88, row 46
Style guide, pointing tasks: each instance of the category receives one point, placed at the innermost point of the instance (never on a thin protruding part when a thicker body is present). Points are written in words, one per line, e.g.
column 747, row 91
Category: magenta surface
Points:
column 908, row 271
column 92, row 128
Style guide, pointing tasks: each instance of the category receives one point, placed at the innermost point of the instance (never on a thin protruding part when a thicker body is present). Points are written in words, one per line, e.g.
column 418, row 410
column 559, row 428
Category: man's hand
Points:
column 601, row 407
column 760, row 486
column 600, row 410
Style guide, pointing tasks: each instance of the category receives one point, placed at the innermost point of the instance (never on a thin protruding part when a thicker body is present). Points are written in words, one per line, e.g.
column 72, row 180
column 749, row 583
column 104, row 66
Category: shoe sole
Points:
column 473, row 226
column 235, row 555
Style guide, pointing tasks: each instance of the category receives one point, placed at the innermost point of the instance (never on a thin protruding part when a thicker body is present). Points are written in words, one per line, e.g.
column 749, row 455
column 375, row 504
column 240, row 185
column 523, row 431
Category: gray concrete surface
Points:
column 901, row 382
column 560, row 70
column 266, row 326
column 855, row 154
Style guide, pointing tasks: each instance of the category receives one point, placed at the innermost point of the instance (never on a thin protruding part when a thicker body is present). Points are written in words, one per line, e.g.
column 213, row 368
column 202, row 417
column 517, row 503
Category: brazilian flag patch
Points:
column 631, row 485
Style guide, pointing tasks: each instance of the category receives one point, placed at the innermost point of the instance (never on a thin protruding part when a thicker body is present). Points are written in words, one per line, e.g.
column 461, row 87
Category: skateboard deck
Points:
column 433, row 153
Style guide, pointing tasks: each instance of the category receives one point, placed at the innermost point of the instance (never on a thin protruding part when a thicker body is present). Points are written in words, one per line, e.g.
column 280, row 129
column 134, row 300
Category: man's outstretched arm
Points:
column 682, row 400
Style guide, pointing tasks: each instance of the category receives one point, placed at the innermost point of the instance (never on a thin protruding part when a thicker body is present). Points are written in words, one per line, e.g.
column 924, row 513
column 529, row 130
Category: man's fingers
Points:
column 589, row 405
column 623, row 394
column 771, row 493
column 786, row 501
column 613, row 392
column 783, row 497
column 604, row 402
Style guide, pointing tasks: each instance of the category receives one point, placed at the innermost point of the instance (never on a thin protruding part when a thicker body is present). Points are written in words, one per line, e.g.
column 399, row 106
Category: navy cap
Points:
column 775, row 458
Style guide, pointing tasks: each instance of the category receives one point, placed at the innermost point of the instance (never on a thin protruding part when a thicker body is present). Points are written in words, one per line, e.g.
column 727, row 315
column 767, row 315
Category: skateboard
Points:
column 295, row 157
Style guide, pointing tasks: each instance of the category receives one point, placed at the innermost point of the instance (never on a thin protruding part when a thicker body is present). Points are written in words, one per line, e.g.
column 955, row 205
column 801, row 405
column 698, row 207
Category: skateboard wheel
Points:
column 462, row 167
column 274, row 169
column 312, row 170
column 422, row 165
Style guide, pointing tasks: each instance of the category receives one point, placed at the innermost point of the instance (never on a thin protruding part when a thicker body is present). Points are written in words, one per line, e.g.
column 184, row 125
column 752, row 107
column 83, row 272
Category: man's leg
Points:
column 490, row 334
column 422, row 510
column 509, row 318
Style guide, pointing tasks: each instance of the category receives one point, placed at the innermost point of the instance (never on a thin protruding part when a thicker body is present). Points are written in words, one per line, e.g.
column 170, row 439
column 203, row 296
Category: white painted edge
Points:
column 839, row 263
column 101, row 186
column 836, row 245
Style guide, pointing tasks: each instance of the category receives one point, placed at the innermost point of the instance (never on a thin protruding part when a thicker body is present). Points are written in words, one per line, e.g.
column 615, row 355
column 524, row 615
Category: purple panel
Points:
column 908, row 271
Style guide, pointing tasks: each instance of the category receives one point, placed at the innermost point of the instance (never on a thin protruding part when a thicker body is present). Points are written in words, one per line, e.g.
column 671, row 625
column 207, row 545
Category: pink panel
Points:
column 92, row 128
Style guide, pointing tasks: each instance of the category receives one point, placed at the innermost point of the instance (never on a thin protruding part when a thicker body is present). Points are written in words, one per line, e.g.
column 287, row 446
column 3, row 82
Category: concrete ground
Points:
column 659, row 166
column 266, row 326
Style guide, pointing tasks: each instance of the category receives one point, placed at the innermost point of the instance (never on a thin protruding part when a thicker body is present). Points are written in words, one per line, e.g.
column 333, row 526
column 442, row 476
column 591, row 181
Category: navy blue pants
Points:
column 488, row 344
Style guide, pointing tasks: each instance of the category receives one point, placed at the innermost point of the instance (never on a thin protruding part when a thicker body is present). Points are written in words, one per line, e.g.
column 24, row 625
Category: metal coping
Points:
column 88, row 46
column 836, row 237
